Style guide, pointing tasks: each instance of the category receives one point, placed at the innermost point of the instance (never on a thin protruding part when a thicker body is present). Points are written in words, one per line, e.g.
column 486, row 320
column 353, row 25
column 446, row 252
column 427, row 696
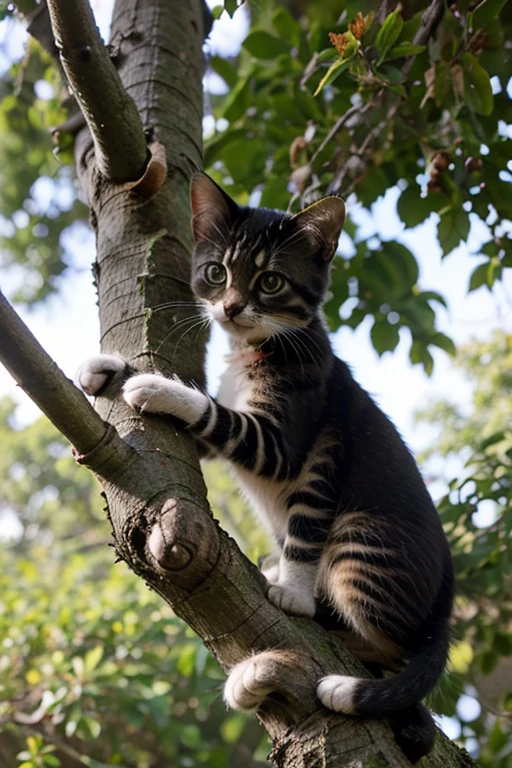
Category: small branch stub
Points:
column 154, row 176
column 184, row 543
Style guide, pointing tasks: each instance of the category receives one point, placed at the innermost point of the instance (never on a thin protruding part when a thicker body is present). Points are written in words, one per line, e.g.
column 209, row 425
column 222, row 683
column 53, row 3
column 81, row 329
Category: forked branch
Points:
column 111, row 114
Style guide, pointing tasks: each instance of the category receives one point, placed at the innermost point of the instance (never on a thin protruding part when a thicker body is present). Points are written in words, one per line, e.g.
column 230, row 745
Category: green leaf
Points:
column 77, row 663
column 190, row 735
column 239, row 100
column 488, row 661
column 285, row 25
column 230, row 6
column 477, row 85
column 420, row 354
column 486, row 11
column 434, row 296
column 51, row 760
column 326, row 55
column 34, row 744
column 452, row 228
column 503, row 644
column 384, row 336
column 93, row 658
column 216, row 145
column 225, row 70
column 263, row 45
column 479, row 277
column 404, row 49
column 388, row 34
column 332, row 73
column 412, row 208
column 443, row 342
column 92, row 726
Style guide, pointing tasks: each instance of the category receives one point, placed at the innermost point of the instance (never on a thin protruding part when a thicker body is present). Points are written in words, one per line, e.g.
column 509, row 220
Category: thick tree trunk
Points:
column 154, row 488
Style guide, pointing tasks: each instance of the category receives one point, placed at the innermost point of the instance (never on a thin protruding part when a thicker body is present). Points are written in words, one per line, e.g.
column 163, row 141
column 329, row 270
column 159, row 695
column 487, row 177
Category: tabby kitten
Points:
column 360, row 543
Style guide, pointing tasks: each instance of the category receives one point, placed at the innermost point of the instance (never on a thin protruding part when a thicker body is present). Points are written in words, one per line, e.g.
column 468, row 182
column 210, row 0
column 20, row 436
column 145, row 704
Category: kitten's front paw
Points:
column 248, row 684
column 295, row 600
column 150, row 393
column 95, row 373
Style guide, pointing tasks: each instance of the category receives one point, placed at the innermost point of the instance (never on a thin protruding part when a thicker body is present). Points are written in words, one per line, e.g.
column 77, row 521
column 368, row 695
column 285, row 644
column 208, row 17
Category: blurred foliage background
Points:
column 94, row 669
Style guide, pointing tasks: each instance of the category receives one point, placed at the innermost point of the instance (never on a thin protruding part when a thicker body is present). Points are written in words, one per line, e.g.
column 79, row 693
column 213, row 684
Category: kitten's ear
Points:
column 321, row 223
column 213, row 210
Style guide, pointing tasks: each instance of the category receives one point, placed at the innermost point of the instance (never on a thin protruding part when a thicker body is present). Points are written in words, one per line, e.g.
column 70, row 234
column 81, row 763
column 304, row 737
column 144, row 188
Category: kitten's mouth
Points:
column 247, row 332
column 240, row 322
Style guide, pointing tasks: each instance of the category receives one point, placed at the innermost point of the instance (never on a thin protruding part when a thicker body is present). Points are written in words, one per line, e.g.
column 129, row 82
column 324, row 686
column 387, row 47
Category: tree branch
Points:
column 111, row 115
column 37, row 374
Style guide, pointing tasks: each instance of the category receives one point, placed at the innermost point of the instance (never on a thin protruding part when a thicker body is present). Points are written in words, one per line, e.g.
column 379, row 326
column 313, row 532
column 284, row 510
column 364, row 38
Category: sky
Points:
column 67, row 325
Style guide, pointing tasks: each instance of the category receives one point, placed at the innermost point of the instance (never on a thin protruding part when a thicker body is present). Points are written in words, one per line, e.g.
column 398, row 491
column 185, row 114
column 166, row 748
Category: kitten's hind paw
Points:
column 285, row 672
column 96, row 373
column 336, row 692
column 248, row 684
column 293, row 600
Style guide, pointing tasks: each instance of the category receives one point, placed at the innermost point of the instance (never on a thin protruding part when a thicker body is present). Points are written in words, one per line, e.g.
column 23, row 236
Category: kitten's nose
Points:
column 232, row 308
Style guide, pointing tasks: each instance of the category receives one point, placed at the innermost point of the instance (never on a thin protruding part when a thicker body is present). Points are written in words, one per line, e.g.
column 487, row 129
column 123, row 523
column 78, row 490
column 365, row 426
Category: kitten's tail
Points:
column 381, row 698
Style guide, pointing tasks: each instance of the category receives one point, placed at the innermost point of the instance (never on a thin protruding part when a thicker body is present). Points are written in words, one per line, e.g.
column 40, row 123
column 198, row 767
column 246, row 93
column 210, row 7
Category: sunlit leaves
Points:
column 33, row 222
column 447, row 110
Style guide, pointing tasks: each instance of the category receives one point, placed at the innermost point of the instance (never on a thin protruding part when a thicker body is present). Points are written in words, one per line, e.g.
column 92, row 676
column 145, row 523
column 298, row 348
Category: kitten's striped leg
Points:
column 308, row 529
column 251, row 440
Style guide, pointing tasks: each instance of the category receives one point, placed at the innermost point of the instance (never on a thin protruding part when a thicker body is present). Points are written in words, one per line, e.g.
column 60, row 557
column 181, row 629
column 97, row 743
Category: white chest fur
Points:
column 265, row 496
column 235, row 386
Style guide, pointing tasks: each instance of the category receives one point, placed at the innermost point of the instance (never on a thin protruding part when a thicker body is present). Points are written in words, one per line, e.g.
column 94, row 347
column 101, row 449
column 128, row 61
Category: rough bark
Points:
column 120, row 148
column 154, row 488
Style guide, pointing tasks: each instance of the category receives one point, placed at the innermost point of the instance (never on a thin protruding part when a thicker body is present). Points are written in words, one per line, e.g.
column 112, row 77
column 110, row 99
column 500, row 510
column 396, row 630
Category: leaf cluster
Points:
column 373, row 111
column 38, row 201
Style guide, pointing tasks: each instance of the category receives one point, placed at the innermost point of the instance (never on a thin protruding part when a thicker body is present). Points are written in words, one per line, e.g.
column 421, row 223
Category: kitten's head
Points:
column 257, row 271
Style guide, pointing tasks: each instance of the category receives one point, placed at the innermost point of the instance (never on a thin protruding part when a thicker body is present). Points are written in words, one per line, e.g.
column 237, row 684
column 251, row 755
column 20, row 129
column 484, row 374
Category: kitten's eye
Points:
column 270, row 282
column 215, row 273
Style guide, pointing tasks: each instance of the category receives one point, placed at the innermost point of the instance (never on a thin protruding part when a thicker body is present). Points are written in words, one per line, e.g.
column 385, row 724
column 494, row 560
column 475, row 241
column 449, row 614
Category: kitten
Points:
column 360, row 543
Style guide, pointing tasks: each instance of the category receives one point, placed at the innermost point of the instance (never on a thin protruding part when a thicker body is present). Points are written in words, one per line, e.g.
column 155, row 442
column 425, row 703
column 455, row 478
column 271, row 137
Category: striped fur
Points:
column 360, row 543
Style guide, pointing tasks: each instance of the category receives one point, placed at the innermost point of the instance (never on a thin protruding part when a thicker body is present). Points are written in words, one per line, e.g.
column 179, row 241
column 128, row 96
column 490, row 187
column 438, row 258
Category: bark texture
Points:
column 154, row 488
